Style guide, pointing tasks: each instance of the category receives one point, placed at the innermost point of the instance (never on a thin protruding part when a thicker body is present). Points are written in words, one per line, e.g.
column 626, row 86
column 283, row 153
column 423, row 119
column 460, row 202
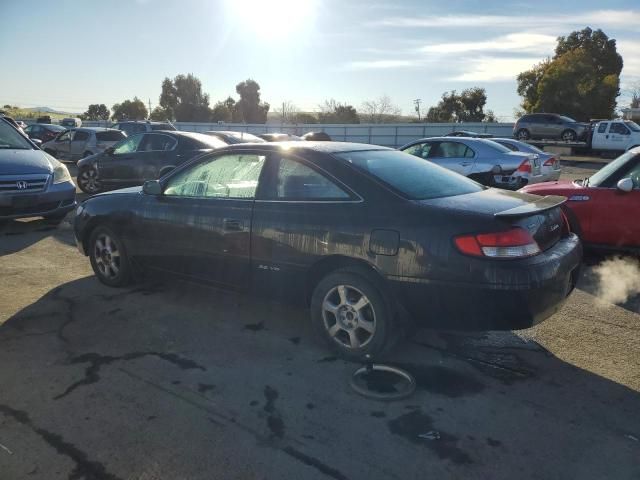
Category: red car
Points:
column 604, row 209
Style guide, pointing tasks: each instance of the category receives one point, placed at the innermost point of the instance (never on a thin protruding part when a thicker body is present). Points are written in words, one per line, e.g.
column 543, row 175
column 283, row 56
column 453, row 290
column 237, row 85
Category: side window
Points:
column 229, row 176
column 511, row 147
column 65, row 137
column 619, row 128
column 634, row 175
column 469, row 153
column 451, row 150
column 156, row 143
column 296, row 181
column 602, row 127
column 129, row 145
column 81, row 136
column 419, row 150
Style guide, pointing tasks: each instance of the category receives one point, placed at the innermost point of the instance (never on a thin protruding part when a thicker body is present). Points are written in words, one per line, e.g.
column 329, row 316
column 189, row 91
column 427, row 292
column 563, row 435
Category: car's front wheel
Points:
column 569, row 136
column 88, row 180
column 352, row 315
column 109, row 258
column 523, row 134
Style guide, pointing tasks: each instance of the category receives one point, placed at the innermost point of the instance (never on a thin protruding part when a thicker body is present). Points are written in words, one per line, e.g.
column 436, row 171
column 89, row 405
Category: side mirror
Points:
column 625, row 185
column 152, row 187
column 109, row 150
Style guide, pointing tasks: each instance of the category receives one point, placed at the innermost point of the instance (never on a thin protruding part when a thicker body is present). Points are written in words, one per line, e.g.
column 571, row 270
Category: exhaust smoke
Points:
column 618, row 279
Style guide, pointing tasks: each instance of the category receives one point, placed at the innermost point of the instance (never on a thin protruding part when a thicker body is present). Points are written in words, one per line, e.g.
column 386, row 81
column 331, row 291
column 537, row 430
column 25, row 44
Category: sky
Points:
column 70, row 53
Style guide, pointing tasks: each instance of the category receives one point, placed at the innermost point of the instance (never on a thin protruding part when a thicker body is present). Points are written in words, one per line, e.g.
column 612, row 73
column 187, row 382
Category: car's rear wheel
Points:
column 569, row 136
column 88, row 180
column 109, row 258
column 352, row 315
column 523, row 134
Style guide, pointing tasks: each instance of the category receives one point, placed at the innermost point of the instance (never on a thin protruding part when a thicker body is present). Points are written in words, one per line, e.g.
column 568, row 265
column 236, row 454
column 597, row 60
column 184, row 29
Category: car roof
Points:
column 95, row 129
column 324, row 147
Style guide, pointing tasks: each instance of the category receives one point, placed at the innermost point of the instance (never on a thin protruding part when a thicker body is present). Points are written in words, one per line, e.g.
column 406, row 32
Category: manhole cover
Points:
column 383, row 382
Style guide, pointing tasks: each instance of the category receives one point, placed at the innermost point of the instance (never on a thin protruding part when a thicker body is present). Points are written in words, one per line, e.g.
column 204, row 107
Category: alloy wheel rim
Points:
column 349, row 317
column 89, row 180
column 107, row 256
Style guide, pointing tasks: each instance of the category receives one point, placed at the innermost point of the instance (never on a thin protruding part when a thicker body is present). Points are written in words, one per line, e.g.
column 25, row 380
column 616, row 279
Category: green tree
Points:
column 130, row 110
column 582, row 80
column 160, row 114
column 96, row 111
column 182, row 99
column 332, row 111
column 224, row 111
column 467, row 106
column 303, row 117
column 249, row 109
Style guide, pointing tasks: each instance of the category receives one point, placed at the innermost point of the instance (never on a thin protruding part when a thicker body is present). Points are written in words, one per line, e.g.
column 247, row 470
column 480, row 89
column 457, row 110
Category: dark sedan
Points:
column 43, row 131
column 144, row 156
column 32, row 182
column 370, row 238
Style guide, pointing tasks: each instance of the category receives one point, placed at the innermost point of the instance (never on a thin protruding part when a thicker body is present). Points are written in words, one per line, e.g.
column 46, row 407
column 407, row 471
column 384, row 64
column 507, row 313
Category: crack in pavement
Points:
column 97, row 361
column 84, row 468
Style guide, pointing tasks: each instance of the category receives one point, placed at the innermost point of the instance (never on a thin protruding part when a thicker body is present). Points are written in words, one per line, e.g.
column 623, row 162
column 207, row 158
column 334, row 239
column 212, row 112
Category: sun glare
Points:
column 272, row 18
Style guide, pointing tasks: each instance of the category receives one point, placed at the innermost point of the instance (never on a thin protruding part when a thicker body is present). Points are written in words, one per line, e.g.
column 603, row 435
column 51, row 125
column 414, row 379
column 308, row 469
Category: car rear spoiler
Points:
column 544, row 203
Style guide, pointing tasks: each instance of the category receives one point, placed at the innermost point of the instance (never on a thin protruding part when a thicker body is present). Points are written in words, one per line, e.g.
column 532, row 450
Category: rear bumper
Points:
column 57, row 200
column 516, row 294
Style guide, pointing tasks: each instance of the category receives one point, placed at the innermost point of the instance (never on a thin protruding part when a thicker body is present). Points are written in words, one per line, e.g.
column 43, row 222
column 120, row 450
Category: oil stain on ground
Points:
column 274, row 419
column 442, row 380
column 414, row 424
column 254, row 327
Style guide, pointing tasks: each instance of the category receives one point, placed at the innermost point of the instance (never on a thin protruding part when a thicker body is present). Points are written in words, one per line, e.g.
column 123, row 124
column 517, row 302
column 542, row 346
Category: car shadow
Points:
column 171, row 358
column 16, row 235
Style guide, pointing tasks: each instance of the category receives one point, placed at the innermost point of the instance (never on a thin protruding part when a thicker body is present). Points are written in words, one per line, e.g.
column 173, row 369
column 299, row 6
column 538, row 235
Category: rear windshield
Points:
column 162, row 126
column 110, row 136
column 632, row 125
column 412, row 177
column 567, row 119
column 205, row 141
column 495, row 146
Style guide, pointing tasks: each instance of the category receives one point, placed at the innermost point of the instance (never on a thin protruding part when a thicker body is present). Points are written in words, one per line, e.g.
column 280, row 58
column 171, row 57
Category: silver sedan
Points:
column 480, row 159
column 550, row 168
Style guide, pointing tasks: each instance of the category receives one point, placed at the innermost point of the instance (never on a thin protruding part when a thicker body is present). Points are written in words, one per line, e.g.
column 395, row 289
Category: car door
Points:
column 78, row 144
column 455, row 156
column 121, row 165
column 62, row 143
column 619, row 136
column 301, row 214
column 615, row 214
column 201, row 224
column 600, row 138
column 155, row 153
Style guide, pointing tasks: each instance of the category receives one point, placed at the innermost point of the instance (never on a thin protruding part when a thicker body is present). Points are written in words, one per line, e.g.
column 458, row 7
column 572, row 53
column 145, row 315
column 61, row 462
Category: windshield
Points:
column 412, row 177
column 632, row 125
column 567, row 119
column 11, row 139
column 605, row 172
column 496, row 146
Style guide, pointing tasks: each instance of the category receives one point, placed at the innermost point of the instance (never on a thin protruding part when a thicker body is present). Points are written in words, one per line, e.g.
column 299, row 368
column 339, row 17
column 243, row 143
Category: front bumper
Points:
column 514, row 294
column 55, row 201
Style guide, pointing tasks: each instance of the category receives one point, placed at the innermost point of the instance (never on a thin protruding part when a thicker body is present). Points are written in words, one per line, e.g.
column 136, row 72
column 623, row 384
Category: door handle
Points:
column 231, row 224
column 465, row 164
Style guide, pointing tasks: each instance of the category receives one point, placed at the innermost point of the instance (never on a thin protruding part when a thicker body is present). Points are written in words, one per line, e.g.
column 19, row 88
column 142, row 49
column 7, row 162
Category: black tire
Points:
column 377, row 312
column 88, row 180
column 523, row 134
column 569, row 135
column 111, row 269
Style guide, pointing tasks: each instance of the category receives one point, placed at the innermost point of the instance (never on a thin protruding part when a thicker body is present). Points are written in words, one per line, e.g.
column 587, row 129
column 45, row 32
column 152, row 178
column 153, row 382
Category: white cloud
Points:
column 629, row 49
column 382, row 64
column 521, row 42
column 492, row 69
column 597, row 18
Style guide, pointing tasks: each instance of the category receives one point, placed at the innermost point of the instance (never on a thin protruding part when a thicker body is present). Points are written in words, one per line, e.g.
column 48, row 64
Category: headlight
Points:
column 61, row 174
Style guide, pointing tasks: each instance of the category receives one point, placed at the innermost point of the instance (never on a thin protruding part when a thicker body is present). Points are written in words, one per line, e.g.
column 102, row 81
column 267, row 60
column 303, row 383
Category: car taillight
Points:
column 551, row 162
column 525, row 167
column 514, row 243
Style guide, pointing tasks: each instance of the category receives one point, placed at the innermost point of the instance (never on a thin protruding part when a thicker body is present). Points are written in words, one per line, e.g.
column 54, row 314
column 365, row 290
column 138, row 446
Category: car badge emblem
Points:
column 554, row 227
column 21, row 184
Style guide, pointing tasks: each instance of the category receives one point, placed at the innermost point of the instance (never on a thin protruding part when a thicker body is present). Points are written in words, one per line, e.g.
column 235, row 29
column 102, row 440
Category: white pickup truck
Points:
column 615, row 135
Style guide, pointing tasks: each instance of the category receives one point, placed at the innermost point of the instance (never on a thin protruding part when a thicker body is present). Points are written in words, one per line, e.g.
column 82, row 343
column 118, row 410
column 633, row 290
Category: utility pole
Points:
column 417, row 102
column 149, row 107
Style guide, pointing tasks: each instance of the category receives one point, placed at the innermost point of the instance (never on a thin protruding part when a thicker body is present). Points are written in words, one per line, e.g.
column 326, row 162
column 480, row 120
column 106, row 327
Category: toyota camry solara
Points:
column 368, row 237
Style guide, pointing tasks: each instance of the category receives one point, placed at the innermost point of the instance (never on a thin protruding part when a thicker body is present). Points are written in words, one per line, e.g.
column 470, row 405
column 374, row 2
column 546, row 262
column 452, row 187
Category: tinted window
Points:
column 296, row 181
column 156, row 142
column 602, row 127
column 450, row 150
column 229, row 176
column 410, row 176
column 619, row 128
column 532, row 119
column 495, row 146
column 80, row 136
column 110, row 136
column 129, row 145
column 634, row 174
column 567, row 119
column 605, row 172
column 508, row 145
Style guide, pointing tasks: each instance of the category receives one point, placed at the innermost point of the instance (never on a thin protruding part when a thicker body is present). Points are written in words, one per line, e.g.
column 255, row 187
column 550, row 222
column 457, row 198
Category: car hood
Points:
column 560, row 187
column 90, row 160
column 16, row 162
column 492, row 201
column 120, row 191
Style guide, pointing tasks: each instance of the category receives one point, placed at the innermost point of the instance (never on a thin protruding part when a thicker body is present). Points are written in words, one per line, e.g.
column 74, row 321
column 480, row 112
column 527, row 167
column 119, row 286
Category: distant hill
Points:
column 47, row 110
